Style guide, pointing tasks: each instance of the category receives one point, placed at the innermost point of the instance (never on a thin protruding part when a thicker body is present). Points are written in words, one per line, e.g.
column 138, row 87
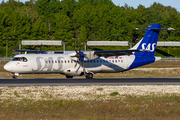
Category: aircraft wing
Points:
column 38, row 51
column 31, row 51
column 115, row 52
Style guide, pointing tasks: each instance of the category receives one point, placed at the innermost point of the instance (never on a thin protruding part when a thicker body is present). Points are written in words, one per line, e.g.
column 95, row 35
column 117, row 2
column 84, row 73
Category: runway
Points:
column 88, row 82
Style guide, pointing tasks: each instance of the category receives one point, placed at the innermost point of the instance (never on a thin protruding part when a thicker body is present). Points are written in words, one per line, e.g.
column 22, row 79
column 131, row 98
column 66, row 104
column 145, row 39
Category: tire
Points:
column 14, row 76
column 69, row 77
column 89, row 76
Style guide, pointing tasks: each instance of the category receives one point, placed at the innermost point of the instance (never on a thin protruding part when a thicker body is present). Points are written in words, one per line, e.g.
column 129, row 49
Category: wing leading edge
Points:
column 40, row 52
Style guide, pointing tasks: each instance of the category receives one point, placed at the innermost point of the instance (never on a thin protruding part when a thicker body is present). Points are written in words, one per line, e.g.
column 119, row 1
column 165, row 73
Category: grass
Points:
column 114, row 94
column 118, row 107
column 130, row 107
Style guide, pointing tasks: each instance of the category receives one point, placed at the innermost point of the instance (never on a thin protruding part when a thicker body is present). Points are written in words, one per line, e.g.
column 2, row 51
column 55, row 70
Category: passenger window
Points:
column 55, row 61
column 116, row 61
column 46, row 62
column 58, row 61
column 113, row 61
column 97, row 61
column 65, row 61
column 49, row 61
column 68, row 61
column 71, row 61
column 122, row 61
column 52, row 61
column 61, row 61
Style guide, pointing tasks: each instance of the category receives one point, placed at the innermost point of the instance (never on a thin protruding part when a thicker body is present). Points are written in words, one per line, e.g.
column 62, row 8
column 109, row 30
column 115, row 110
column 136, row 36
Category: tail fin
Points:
column 148, row 46
column 149, row 41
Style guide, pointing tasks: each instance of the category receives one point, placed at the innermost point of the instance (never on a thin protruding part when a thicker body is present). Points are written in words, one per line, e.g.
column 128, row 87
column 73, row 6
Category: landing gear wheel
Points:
column 14, row 76
column 89, row 76
column 69, row 76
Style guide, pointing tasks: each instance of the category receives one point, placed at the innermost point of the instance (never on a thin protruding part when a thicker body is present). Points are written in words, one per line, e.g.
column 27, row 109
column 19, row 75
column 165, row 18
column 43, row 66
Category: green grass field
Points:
column 128, row 107
column 116, row 107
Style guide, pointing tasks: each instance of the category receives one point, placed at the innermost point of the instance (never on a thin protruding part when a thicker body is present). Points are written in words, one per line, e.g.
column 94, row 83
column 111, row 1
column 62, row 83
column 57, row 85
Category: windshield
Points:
column 23, row 59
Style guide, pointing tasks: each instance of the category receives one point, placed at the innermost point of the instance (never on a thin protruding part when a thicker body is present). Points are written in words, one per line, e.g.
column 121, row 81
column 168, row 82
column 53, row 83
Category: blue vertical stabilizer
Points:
column 149, row 41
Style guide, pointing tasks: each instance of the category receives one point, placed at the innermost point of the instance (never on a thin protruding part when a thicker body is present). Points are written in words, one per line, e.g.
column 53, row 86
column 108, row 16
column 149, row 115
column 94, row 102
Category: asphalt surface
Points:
column 88, row 82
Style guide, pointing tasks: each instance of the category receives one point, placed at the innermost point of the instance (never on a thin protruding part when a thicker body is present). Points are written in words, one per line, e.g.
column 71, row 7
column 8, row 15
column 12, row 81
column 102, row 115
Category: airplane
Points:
column 88, row 63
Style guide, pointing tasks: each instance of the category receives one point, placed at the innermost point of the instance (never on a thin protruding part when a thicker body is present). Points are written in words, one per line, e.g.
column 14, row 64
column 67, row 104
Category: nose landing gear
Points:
column 15, row 75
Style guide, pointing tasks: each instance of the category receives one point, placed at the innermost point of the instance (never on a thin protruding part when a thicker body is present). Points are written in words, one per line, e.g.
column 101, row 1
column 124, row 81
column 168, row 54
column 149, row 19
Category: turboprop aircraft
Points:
column 87, row 63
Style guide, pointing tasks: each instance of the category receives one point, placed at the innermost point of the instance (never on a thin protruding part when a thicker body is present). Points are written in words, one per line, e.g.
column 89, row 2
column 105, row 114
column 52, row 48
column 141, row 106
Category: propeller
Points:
column 37, row 51
column 80, row 56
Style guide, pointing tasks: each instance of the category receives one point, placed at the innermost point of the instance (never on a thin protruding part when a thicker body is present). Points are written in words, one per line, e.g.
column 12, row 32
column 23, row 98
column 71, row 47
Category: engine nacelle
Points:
column 90, row 55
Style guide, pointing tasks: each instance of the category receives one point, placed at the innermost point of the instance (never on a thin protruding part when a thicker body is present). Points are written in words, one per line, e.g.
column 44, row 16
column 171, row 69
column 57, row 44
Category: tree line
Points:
column 83, row 20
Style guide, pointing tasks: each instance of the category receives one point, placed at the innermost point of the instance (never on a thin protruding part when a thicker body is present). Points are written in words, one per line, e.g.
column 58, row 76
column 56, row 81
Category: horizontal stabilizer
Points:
column 155, row 29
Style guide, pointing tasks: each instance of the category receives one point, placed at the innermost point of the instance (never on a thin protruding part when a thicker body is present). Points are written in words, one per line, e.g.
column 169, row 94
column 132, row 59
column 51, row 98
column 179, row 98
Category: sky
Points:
column 147, row 3
column 134, row 3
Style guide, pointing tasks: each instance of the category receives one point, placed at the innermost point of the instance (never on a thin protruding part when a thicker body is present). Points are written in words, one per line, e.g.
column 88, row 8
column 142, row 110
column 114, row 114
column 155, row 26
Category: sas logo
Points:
column 149, row 47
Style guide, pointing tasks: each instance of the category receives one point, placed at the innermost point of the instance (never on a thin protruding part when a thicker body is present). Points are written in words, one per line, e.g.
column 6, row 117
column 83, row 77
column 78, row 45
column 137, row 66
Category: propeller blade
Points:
column 75, row 48
column 82, row 63
column 80, row 49
column 74, row 56
column 75, row 65
column 41, row 49
column 35, row 49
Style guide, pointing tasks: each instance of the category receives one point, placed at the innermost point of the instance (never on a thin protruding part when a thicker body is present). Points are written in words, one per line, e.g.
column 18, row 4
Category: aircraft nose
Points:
column 7, row 67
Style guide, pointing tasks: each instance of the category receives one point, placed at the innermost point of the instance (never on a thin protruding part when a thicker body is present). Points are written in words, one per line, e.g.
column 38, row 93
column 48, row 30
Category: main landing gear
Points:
column 69, row 77
column 89, row 76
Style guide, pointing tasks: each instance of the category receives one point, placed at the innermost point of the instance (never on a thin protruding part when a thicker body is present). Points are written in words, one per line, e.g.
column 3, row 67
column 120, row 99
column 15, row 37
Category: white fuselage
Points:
column 63, row 64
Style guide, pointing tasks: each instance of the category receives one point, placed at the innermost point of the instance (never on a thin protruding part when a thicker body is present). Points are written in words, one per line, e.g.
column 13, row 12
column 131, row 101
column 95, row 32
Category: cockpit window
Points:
column 23, row 59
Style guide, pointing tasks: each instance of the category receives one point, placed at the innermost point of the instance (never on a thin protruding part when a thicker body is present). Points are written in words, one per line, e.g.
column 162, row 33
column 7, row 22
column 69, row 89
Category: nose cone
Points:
column 7, row 67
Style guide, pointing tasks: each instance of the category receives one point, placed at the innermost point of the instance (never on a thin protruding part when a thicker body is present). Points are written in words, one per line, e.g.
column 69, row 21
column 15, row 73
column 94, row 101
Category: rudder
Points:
column 149, row 41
